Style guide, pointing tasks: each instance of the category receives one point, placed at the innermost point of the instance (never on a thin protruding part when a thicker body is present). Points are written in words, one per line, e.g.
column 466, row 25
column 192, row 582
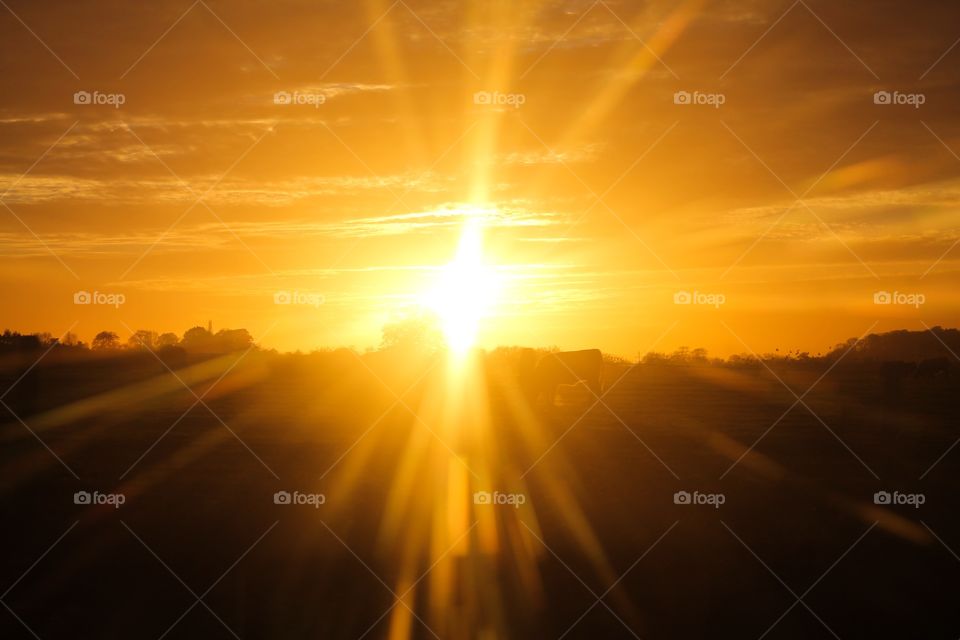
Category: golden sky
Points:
column 613, row 153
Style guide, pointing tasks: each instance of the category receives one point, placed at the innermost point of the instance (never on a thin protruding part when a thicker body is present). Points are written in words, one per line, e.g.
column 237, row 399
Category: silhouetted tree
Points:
column 143, row 339
column 200, row 340
column 902, row 344
column 167, row 340
column 106, row 340
column 232, row 340
column 197, row 339
column 420, row 332
column 46, row 339
column 12, row 340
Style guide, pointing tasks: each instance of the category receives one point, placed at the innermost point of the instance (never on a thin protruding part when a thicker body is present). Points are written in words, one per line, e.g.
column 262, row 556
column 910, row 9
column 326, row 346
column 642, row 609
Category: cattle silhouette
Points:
column 565, row 368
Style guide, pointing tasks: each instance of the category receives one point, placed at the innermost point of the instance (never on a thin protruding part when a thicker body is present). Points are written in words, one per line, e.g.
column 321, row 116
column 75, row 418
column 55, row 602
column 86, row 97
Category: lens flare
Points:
column 466, row 290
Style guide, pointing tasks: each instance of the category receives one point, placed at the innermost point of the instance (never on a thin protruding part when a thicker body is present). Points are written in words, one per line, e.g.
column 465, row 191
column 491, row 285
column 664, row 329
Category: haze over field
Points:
column 603, row 156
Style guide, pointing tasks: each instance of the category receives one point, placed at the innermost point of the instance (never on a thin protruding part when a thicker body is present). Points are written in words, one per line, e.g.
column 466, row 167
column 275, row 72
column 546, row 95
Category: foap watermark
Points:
column 698, row 297
column 498, row 498
column 115, row 500
column 99, row 297
column 712, row 499
column 698, row 97
column 114, row 100
column 298, row 298
column 297, row 498
column 497, row 99
column 898, row 297
column 896, row 498
column 300, row 97
column 898, row 98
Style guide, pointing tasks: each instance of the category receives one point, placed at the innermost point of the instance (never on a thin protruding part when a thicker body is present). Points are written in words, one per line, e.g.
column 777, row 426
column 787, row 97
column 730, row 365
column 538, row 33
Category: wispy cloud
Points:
column 587, row 153
column 216, row 235
column 169, row 189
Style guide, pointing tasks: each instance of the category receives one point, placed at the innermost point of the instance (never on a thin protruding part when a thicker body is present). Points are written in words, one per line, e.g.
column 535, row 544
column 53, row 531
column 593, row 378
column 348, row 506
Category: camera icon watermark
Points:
column 99, row 297
column 95, row 498
column 897, row 98
column 699, row 298
column 498, row 99
column 896, row 498
column 498, row 498
column 696, row 498
column 297, row 498
column 298, row 298
column 115, row 100
column 299, row 98
column 715, row 100
column 899, row 298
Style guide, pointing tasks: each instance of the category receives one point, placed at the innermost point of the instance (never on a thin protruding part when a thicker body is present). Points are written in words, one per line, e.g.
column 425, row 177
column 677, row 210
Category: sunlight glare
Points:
column 466, row 290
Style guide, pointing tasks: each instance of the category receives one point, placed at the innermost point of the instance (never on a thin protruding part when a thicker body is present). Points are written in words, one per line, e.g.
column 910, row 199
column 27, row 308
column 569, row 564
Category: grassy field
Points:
column 599, row 548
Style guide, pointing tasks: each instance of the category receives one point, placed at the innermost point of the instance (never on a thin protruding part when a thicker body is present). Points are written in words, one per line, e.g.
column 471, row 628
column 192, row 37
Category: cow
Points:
column 933, row 368
column 566, row 368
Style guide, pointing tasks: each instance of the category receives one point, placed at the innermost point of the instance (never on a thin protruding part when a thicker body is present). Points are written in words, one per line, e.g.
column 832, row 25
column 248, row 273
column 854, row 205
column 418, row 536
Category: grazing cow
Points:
column 566, row 367
column 933, row 368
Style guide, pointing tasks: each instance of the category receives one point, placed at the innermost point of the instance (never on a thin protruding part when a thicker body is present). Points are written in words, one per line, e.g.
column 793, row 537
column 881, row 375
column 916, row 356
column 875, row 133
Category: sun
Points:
column 465, row 291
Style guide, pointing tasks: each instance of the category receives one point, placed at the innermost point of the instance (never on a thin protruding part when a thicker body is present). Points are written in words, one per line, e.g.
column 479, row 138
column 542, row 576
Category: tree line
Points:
column 196, row 339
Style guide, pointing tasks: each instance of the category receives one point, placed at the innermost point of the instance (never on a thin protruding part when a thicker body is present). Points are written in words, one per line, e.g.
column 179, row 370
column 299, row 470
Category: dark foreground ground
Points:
column 599, row 549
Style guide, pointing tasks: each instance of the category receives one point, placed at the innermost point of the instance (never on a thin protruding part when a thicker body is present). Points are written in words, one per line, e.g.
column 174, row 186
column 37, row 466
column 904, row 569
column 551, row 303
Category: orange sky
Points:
column 600, row 197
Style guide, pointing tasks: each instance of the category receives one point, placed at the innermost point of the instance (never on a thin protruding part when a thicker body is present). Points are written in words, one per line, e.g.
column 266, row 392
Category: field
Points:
column 587, row 542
